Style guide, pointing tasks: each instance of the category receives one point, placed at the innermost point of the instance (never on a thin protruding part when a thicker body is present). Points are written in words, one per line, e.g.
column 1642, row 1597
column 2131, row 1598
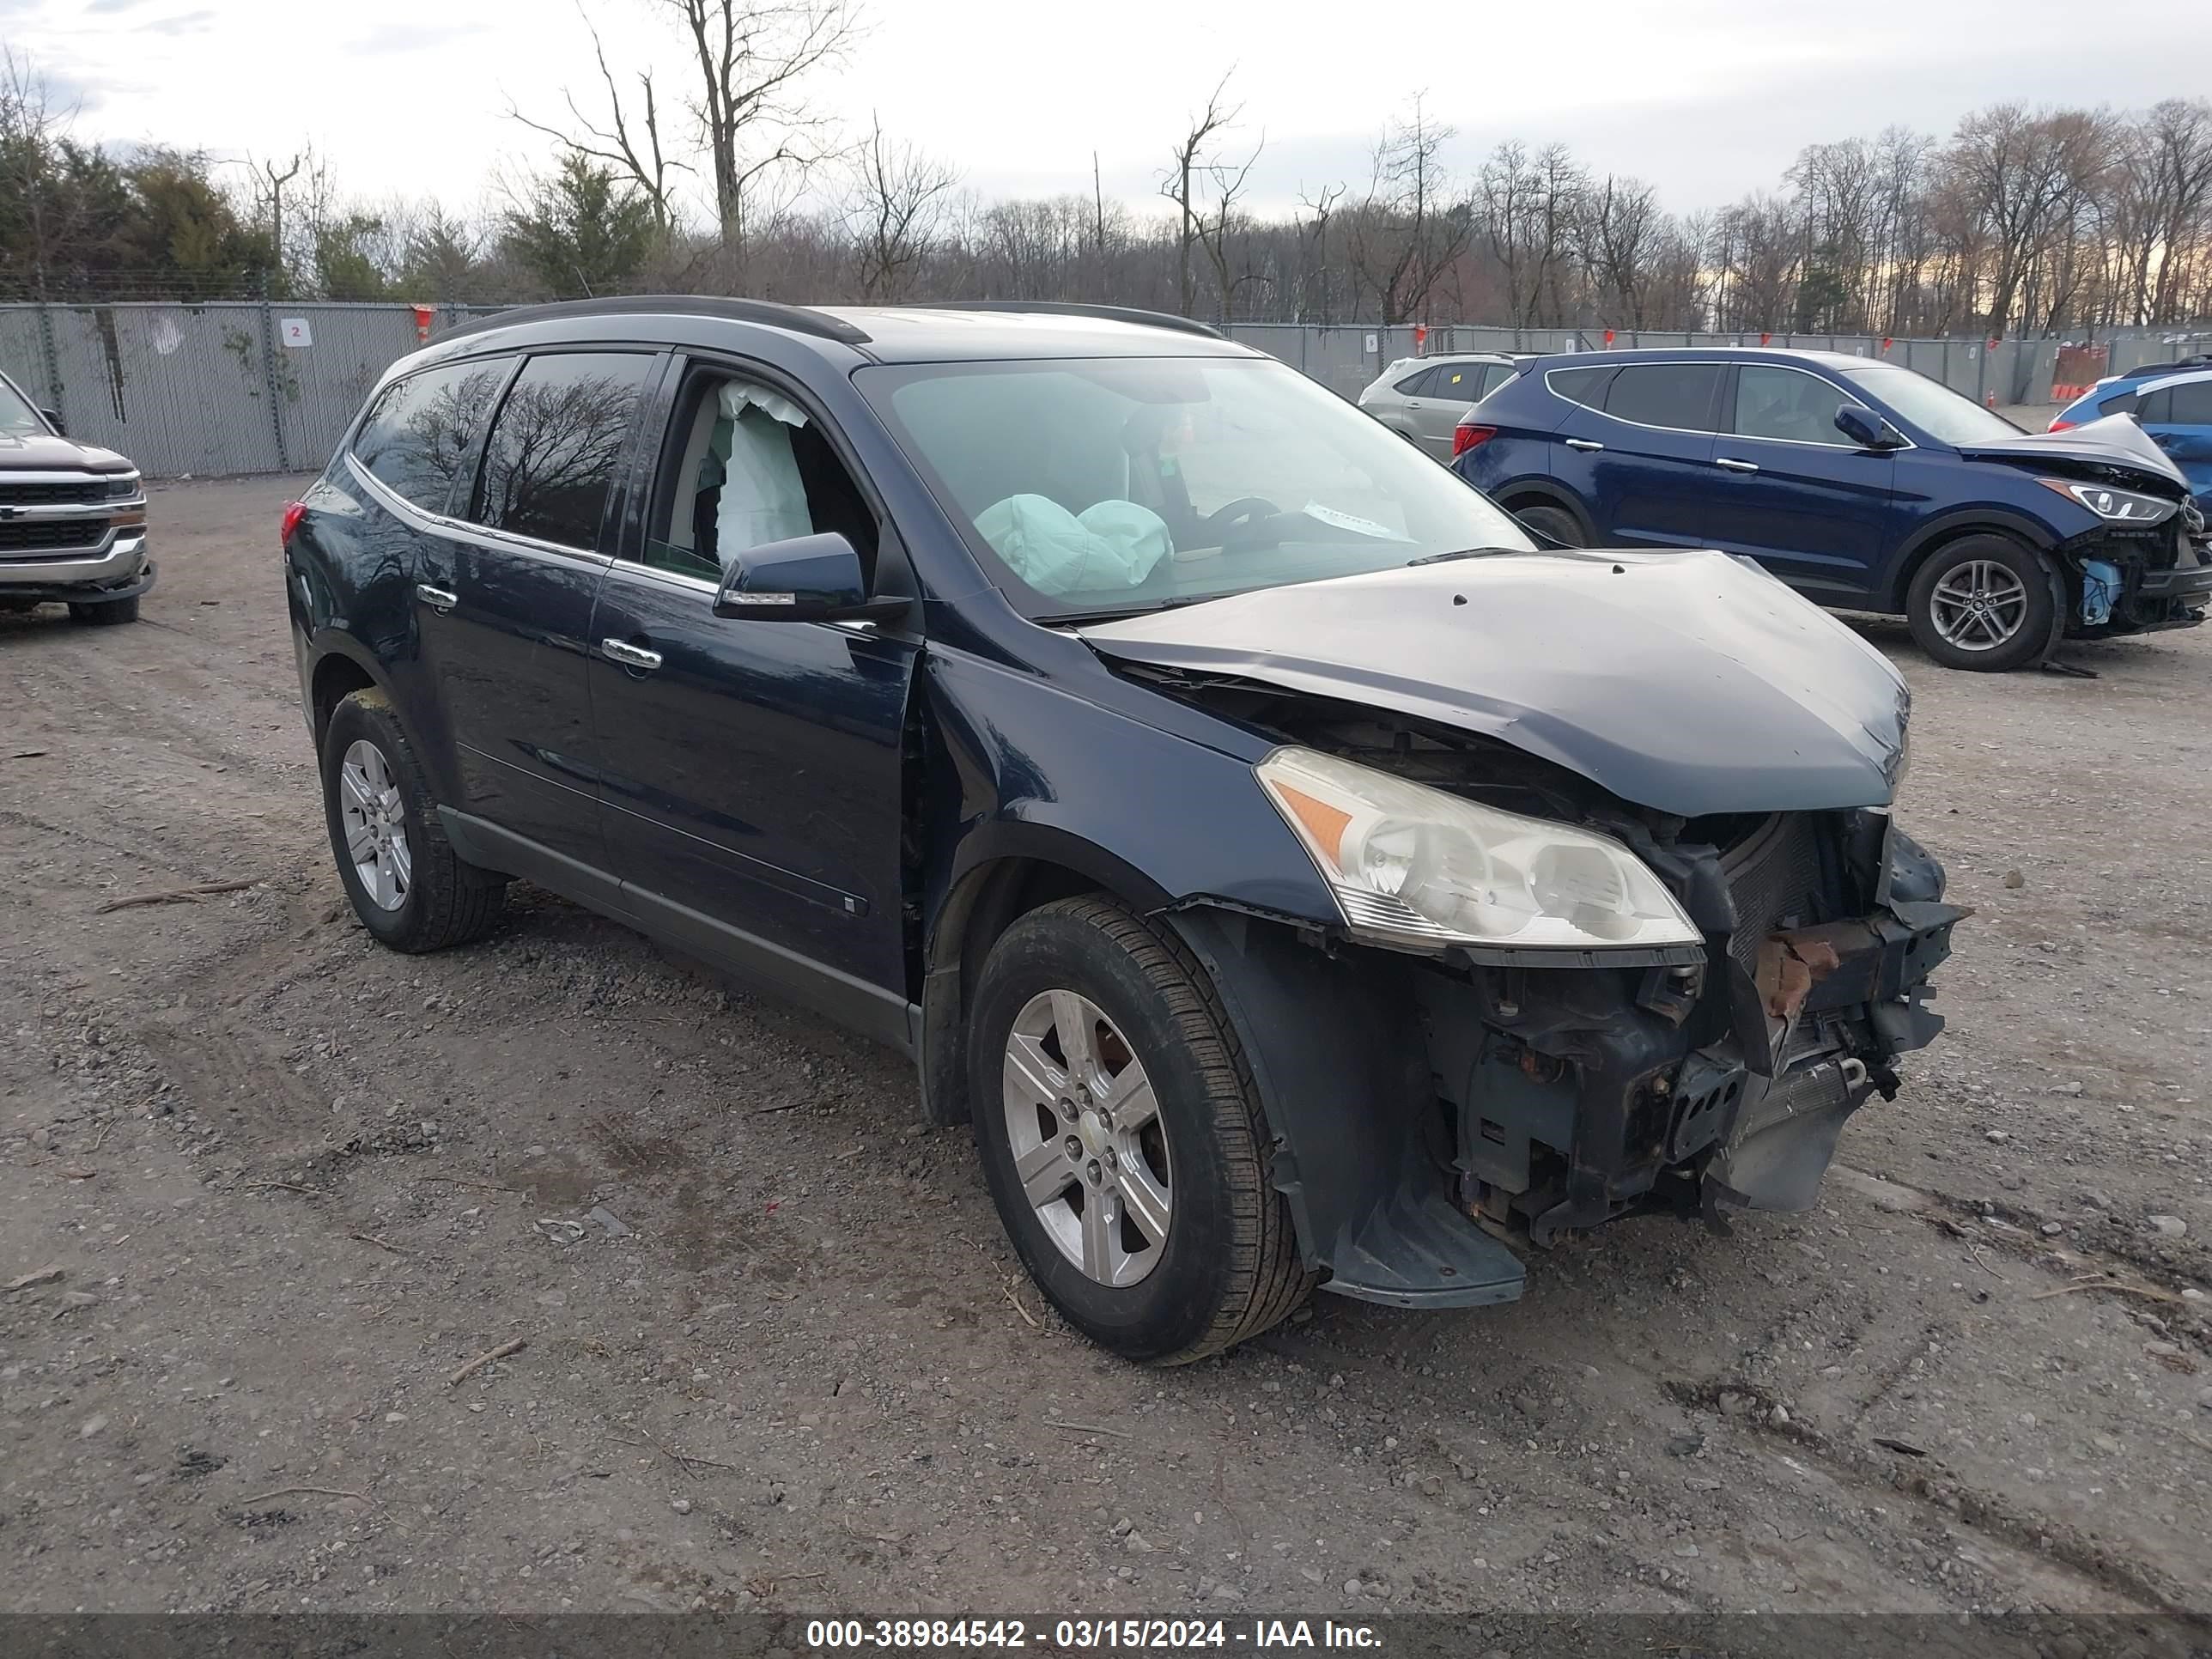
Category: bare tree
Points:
column 629, row 139
column 1188, row 163
column 1228, row 180
column 1314, row 292
column 896, row 200
column 751, row 56
column 1413, row 222
column 2020, row 177
column 1528, row 207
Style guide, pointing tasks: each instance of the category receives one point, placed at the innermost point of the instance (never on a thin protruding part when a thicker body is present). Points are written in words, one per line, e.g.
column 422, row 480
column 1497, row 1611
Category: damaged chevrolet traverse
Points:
column 1295, row 878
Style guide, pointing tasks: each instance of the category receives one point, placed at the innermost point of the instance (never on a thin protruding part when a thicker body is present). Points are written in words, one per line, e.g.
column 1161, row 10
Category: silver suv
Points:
column 1421, row 398
column 72, row 519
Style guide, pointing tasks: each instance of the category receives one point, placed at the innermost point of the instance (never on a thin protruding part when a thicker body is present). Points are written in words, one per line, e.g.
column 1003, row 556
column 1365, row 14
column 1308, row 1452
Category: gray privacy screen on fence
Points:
column 215, row 388
column 241, row 386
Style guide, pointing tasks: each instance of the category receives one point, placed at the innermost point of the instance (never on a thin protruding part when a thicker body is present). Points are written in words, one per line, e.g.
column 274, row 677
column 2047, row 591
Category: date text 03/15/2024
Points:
column 1087, row 1635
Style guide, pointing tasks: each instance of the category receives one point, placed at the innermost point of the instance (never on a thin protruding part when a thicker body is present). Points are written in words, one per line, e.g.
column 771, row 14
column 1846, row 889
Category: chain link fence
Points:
column 223, row 387
column 234, row 386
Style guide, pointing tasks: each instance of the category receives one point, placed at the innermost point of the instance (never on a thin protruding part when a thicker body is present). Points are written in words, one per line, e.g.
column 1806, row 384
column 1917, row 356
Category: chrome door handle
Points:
column 1736, row 467
column 436, row 598
column 630, row 656
column 1584, row 443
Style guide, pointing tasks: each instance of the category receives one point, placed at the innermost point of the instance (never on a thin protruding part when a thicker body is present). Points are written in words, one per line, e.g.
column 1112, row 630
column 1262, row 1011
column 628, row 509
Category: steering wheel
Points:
column 1219, row 523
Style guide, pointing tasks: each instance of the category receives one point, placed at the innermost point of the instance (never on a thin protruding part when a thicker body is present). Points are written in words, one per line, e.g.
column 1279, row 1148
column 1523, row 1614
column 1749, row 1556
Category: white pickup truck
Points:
column 72, row 519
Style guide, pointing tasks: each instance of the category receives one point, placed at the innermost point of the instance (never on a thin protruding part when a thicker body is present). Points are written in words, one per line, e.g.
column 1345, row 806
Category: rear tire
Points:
column 1555, row 524
column 104, row 613
column 1224, row 1266
column 423, row 896
column 1986, row 604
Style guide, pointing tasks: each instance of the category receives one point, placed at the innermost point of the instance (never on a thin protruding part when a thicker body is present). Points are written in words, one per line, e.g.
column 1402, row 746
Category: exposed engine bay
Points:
column 1566, row 1089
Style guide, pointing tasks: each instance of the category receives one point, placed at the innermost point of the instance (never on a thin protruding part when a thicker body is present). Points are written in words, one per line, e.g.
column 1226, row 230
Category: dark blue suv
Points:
column 1862, row 484
column 1295, row 876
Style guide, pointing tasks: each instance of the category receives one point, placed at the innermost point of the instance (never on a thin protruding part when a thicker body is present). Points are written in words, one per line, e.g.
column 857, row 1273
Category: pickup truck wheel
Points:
column 106, row 613
column 1122, row 1138
column 1984, row 603
column 406, row 883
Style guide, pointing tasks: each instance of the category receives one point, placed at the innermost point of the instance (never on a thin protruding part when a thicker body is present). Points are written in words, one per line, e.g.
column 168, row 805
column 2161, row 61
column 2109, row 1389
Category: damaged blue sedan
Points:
column 1295, row 878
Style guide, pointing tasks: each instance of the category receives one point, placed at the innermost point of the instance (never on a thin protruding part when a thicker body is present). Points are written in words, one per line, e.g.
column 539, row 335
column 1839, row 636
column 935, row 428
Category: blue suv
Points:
column 1862, row 484
column 2171, row 402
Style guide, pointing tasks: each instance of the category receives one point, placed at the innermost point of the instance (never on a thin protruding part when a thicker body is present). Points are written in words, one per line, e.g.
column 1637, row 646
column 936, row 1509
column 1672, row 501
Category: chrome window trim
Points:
column 439, row 524
column 861, row 627
column 1702, row 432
column 1622, row 420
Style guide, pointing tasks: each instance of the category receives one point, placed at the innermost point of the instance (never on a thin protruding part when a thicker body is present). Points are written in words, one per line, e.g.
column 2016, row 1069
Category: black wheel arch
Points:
column 1545, row 492
column 1939, row 532
column 338, row 665
column 1004, row 871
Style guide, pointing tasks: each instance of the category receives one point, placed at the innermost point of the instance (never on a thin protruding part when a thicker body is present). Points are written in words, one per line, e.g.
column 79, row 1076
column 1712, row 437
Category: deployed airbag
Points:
column 763, row 499
column 1112, row 544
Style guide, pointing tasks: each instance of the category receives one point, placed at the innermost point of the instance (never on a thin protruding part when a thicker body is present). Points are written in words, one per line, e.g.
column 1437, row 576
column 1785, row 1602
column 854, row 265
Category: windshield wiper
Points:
column 1463, row 553
column 1173, row 602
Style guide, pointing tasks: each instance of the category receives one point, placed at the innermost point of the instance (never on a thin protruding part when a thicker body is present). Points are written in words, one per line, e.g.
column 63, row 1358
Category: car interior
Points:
column 751, row 469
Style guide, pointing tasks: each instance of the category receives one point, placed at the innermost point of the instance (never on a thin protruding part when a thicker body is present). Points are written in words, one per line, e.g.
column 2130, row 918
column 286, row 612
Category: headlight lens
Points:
column 123, row 489
column 1416, row 868
column 2119, row 506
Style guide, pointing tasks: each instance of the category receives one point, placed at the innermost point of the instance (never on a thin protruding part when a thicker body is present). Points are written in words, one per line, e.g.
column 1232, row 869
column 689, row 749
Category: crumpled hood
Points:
column 2115, row 440
column 1692, row 682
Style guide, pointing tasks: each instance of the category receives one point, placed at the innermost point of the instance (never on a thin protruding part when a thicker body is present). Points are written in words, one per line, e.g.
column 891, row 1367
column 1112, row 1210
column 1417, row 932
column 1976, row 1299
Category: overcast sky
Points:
column 1706, row 98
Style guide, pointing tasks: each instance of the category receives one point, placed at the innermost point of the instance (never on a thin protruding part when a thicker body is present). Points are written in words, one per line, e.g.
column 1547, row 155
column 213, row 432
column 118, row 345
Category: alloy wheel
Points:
column 1089, row 1148
column 1979, row 605
column 375, row 821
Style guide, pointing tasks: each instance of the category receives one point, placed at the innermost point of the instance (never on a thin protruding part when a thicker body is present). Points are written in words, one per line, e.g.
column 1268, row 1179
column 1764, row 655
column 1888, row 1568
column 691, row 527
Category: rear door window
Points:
column 420, row 437
column 2190, row 403
column 559, row 444
column 1676, row 395
column 1413, row 384
column 1458, row 383
column 1585, row 386
column 1789, row 405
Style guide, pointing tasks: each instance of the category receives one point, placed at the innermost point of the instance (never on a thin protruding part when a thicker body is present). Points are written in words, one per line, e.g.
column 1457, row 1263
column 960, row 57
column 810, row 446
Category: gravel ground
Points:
column 779, row 1356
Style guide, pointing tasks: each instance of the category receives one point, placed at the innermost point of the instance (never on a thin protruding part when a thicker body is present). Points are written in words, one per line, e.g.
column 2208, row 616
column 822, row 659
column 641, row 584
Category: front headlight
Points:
column 124, row 488
column 2119, row 506
column 1414, row 867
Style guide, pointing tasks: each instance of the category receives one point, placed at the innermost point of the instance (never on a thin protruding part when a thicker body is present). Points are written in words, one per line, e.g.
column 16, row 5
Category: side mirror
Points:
column 53, row 418
column 1867, row 429
column 806, row 579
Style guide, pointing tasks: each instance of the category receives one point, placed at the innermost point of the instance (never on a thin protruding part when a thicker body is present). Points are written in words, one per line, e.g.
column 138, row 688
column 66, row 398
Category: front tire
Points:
column 1123, row 1137
column 1986, row 604
column 104, row 613
column 405, row 882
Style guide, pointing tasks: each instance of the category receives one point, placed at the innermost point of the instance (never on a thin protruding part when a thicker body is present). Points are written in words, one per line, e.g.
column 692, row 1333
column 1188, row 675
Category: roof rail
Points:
column 1071, row 308
column 798, row 319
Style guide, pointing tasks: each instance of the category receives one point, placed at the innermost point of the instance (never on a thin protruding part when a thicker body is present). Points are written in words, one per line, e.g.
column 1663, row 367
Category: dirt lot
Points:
column 778, row 1355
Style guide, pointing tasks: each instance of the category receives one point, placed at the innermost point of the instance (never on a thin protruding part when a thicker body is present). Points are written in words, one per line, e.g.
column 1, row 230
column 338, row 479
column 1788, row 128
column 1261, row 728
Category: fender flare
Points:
column 983, row 893
column 328, row 642
column 1897, row 576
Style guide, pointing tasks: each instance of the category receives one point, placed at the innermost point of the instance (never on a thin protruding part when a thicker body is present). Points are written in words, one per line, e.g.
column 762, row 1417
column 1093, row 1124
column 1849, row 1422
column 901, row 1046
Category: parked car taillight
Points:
column 1466, row 437
column 293, row 512
column 2060, row 426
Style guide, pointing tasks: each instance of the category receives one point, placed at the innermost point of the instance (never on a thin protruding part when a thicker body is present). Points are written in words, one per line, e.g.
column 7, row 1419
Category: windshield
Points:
column 16, row 415
column 1944, row 415
column 1123, row 484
